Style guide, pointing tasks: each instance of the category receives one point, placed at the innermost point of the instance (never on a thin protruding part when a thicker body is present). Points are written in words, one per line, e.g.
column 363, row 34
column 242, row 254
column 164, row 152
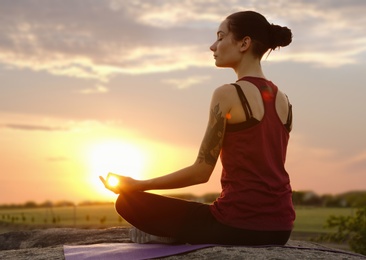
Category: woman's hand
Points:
column 118, row 183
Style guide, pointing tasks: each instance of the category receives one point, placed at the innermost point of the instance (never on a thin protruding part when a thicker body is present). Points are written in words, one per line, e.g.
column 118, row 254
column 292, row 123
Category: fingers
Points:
column 124, row 183
column 104, row 181
column 112, row 174
column 106, row 184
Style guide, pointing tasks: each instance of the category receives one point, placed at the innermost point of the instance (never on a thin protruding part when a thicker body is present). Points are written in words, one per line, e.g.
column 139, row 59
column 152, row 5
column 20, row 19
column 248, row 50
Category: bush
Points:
column 350, row 229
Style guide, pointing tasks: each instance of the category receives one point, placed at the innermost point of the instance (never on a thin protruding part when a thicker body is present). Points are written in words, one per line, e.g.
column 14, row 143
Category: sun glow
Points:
column 112, row 181
column 116, row 156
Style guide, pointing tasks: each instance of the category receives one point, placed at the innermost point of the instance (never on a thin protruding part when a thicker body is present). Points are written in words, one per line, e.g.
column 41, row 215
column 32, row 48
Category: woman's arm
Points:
column 201, row 170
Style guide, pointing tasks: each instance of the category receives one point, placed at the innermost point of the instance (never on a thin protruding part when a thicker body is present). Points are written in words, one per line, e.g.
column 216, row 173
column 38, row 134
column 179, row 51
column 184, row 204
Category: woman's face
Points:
column 226, row 50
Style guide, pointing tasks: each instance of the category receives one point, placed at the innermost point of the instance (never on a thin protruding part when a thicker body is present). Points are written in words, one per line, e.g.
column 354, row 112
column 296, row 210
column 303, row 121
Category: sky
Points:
column 90, row 87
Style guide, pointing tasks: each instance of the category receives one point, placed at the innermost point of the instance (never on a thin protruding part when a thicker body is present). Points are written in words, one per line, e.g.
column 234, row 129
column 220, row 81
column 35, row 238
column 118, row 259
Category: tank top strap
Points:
column 244, row 102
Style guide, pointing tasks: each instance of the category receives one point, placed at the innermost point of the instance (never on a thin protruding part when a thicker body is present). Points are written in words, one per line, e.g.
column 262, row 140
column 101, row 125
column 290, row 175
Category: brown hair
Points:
column 264, row 35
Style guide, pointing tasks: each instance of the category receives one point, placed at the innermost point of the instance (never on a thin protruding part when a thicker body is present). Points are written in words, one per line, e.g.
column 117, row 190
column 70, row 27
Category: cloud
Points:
column 327, row 172
column 356, row 164
column 328, row 39
column 99, row 89
column 33, row 127
column 187, row 13
column 100, row 39
column 187, row 82
column 87, row 39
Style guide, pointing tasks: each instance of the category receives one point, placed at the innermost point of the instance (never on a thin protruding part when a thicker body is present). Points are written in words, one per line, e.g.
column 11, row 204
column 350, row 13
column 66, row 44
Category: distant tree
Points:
column 311, row 199
column 297, row 197
column 64, row 203
column 350, row 229
column 306, row 198
column 332, row 201
column 354, row 198
column 46, row 204
column 30, row 204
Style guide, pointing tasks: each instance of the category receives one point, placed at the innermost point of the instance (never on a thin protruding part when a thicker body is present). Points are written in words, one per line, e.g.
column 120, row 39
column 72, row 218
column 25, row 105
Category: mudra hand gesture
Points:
column 118, row 183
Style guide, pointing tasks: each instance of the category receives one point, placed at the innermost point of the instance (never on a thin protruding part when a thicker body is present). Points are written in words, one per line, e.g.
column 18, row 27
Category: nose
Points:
column 213, row 47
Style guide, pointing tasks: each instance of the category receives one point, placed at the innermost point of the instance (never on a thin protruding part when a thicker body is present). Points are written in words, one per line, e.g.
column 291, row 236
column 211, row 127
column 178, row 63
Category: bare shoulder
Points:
column 282, row 106
column 282, row 98
column 224, row 92
column 223, row 89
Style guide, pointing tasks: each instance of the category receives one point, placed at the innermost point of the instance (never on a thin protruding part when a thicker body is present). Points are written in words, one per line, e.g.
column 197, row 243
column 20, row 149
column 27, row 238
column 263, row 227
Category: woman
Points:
column 249, row 126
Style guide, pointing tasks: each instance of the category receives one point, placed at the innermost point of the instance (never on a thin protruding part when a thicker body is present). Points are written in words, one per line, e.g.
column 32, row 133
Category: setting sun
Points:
column 112, row 181
column 116, row 156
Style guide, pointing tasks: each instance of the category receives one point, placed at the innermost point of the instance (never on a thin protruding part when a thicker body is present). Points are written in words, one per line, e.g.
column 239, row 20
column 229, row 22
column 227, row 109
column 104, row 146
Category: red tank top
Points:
column 256, row 192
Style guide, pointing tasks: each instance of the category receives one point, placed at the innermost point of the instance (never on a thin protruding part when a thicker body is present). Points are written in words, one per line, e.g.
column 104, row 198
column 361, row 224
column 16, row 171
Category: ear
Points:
column 245, row 43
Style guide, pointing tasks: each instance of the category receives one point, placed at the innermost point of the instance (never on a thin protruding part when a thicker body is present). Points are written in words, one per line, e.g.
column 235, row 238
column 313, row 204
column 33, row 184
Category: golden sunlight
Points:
column 116, row 156
column 112, row 181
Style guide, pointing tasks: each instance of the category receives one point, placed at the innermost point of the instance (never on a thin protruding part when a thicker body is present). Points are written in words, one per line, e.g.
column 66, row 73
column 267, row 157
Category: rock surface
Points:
column 48, row 244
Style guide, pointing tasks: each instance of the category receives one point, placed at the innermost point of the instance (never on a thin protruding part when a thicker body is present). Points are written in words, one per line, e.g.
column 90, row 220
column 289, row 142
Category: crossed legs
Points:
column 187, row 221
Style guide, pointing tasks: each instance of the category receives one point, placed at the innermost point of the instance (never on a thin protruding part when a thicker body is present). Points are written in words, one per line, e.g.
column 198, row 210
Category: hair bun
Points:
column 280, row 36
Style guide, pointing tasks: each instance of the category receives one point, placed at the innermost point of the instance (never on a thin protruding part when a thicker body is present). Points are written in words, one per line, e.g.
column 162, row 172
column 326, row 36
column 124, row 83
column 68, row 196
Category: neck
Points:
column 249, row 68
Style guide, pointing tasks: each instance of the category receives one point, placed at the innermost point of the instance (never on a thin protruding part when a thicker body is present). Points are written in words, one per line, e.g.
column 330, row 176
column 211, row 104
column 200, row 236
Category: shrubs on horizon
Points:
column 300, row 198
column 350, row 229
column 350, row 199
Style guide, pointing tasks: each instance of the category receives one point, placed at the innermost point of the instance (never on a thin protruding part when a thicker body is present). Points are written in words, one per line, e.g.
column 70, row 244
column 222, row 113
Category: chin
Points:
column 220, row 65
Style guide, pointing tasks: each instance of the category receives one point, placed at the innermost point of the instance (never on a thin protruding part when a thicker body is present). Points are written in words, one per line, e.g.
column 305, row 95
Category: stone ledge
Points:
column 48, row 244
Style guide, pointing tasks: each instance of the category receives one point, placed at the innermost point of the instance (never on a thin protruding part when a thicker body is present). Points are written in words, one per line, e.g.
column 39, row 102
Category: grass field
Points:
column 313, row 219
column 81, row 216
column 308, row 219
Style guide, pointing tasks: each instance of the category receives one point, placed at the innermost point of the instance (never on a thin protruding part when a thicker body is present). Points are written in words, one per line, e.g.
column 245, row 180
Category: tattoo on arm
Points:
column 212, row 142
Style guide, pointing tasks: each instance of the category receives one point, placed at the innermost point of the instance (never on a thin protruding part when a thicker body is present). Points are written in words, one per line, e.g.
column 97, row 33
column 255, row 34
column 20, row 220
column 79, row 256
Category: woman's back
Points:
column 256, row 191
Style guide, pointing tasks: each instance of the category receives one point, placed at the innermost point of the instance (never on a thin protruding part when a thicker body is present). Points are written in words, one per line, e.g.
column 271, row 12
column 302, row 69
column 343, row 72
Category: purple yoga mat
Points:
column 128, row 251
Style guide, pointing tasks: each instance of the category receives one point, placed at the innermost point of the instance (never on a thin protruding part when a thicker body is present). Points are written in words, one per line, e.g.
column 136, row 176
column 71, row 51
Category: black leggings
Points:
column 187, row 221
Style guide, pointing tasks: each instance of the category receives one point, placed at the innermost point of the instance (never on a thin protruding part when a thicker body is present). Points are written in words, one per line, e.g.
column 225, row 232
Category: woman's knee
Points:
column 119, row 204
column 123, row 202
